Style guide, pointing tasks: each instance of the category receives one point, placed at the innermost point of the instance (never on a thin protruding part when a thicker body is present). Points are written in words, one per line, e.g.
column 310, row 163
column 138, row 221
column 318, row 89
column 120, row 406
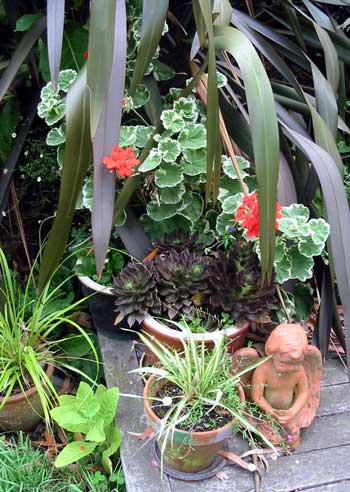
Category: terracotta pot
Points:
column 172, row 337
column 22, row 412
column 188, row 452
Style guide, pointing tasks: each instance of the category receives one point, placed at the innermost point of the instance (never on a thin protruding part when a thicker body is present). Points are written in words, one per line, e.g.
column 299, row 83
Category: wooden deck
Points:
column 321, row 464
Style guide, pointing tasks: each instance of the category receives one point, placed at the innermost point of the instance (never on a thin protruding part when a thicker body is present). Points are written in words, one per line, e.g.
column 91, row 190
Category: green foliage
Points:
column 114, row 263
column 92, row 414
column 9, row 119
column 24, row 22
column 300, row 239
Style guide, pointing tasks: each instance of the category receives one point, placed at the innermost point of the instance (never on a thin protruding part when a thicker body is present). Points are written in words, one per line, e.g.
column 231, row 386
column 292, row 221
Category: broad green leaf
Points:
column 74, row 452
column 153, row 20
column 319, row 230
column 283, row 269
column 280, row 250
column 172, row 120
column 224, row 221
column 127, row 136
column 109, row 402
column 301, row 265
column 97, row 433
column 173, row 195
column 169, row 148
column 264, row 131
column 228, row 187
column 115, row 440
column 228, row 167
column 143, row 134
column 151, row 162
column 69, row 418
column 66, row 79
column 294, row 227
column 296, row 210
column 194, row 162
column 169, row 175
column 77, row 156
column 87, row 194
column 56, row 136
column 162, row 71
column 161, row 211
column 192, row 206
column 24, row 22
column 231, row 204
column 193, row 137
column 187, row 108
column 308, row 248
column 141, row 96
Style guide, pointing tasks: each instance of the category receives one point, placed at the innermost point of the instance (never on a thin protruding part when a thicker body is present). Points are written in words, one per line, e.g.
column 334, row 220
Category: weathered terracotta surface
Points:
column 23, row 411
column 187, row 452
column 287, row 386
column 173, row 338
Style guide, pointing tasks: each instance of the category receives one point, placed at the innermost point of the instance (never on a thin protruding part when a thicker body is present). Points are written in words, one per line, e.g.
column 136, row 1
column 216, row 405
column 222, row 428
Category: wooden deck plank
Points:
column 118, row 358
column 312, row 468
column 307, row 470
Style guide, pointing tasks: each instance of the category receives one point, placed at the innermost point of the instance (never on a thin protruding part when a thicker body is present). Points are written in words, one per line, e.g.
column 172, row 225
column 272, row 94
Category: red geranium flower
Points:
column 248, row 215
column 86, row 54
column 121, row 161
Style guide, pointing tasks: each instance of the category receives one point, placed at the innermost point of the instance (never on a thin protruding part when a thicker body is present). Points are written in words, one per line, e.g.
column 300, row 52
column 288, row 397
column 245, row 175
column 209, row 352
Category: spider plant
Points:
column 27, row 335
column 205, row 381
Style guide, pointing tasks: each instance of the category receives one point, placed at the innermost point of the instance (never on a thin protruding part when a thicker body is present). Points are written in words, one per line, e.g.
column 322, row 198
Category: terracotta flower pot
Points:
column 22, row 411
column 172, row 337
column 187, row 452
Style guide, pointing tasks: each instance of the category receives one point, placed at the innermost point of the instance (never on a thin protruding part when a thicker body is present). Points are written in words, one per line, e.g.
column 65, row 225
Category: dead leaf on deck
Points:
column 238, row 461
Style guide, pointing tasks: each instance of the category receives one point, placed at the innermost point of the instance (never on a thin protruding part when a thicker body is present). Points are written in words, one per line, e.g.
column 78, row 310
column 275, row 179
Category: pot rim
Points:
column 205, row 435
column 176, row 335
column 29, row 392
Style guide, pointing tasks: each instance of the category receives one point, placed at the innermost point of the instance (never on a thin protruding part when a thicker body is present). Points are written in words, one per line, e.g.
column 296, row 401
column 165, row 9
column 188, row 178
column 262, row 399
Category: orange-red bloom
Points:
column 86, row 54
column 121, row 161
column 248, row 215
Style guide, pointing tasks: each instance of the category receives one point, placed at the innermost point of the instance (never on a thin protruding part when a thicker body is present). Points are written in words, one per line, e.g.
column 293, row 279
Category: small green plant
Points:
column 91, row 414
column 113, row 266
column 27, row 326
column 204, row 380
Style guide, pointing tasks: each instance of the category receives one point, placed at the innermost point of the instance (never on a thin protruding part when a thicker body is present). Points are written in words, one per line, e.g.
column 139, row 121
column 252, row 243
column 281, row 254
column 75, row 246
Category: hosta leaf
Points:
column 169, row 175
column 73, row 452
column 223, row 221
column 309, row 248
column 295, row 210
column 161, row 211
column 229, row 170
column 193, row 137
column 231, row 203
column 127, row 136
column 172, row 120
column 194, row 162
column 319, row 230
column 193, row 207
column 187, row 108
column 141, row 96
column 301, row 265
column 151, row 162
column 169, row 149
column 173, row 195
column 56, row 136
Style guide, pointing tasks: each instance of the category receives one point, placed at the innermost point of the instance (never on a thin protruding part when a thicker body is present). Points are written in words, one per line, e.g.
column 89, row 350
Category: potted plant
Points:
column 192, row 400
column 29, row 352
column 221, row 292
column 98, row 290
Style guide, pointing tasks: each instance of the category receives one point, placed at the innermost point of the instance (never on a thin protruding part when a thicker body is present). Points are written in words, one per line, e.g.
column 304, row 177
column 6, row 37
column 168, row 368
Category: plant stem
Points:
column 284, row 307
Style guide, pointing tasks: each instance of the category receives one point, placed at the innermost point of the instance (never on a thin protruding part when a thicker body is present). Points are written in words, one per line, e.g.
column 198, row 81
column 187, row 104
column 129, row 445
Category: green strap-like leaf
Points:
column 55, row 24
column 77, row 157
column 153, row 18
column 264, row 128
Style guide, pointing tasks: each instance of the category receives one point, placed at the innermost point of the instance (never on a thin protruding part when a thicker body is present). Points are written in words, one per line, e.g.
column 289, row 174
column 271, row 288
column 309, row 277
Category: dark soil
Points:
column 208, row 420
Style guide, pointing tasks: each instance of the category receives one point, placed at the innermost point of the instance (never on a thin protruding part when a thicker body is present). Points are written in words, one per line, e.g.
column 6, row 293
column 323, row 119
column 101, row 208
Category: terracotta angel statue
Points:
column 286, row 386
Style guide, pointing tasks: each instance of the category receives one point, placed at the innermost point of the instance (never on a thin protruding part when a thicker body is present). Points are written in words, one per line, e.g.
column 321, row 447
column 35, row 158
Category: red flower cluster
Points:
column 248, row 215
column 121, row 161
